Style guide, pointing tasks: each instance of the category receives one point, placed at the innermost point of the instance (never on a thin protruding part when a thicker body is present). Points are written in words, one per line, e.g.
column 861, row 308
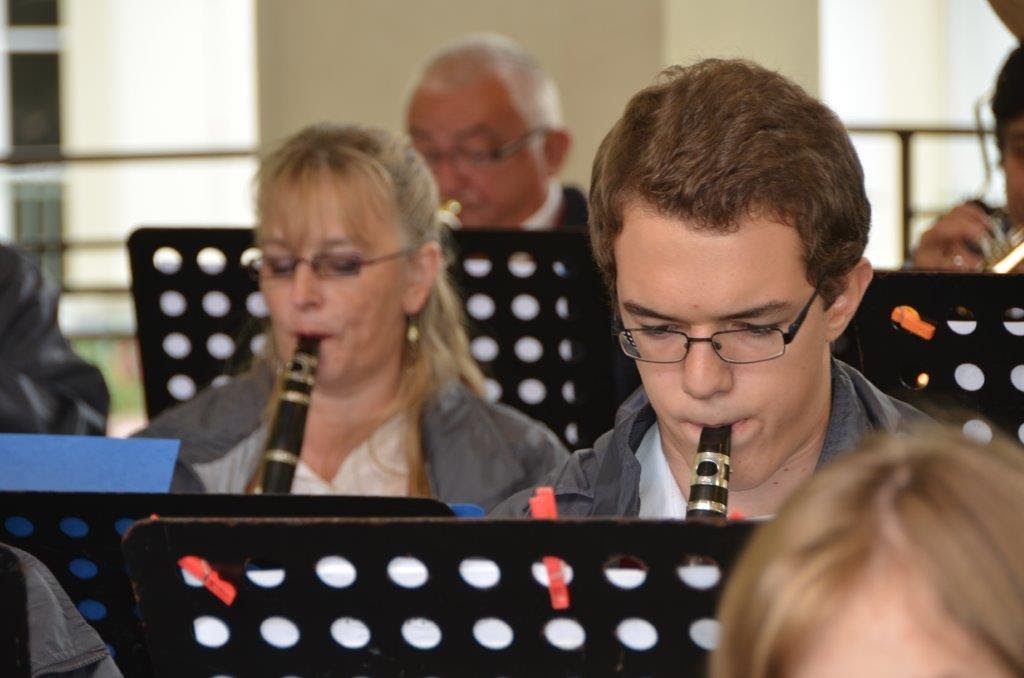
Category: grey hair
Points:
column 475, row 56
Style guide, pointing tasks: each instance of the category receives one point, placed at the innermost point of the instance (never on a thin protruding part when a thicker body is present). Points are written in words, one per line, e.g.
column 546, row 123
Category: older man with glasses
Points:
column 488, row 121
column 729, row 218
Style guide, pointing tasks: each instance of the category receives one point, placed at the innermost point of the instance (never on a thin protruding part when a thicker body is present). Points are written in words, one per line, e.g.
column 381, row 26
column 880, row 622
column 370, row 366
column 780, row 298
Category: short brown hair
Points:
column 718, row 141
column 931, row 505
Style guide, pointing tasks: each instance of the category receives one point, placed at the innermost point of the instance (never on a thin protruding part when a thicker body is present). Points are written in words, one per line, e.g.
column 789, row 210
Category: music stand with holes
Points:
column 541, row 327
column 974, row 362
column 421, row 597
column 14, row 619
column 198, row 314
column 77, row 535
column 197, row 310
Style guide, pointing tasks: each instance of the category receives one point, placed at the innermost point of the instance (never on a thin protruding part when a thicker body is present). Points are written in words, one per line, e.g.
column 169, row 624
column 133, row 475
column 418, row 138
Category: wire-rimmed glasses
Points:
column 479, row 157
column 751, row 345
column 324, row 264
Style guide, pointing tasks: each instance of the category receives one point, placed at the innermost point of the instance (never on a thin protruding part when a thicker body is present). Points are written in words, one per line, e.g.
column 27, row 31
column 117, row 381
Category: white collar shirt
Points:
column 660, row 496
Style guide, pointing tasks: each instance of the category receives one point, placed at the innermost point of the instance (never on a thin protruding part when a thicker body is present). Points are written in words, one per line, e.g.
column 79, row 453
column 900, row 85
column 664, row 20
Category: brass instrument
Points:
column 1002, row 249
column 709, row 485
column 284, row 441
column 448, row 213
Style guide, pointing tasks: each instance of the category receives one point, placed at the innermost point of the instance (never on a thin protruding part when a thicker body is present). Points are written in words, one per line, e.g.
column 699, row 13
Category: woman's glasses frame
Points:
column 324, row 264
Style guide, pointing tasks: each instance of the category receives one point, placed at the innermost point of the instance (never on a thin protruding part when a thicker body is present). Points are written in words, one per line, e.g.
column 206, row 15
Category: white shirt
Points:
column 546, row 216
column 377, row 466
column 660, row 496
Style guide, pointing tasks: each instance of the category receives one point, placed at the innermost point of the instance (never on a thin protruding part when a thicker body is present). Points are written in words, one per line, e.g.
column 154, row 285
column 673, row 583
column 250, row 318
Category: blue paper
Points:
column 467, row 510
column 47, row 463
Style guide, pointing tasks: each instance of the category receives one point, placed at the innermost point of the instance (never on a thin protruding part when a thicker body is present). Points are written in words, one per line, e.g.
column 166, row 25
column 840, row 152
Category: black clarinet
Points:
column 284, row 441
column 709, row 486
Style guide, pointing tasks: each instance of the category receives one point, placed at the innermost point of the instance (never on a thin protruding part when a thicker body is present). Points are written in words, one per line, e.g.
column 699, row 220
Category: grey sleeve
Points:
column 516, row 506
column 60, row 642
column 542, row 453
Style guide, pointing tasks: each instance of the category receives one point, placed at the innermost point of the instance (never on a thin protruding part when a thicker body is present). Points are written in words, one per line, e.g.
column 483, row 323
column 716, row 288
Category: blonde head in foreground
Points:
column 905, row 558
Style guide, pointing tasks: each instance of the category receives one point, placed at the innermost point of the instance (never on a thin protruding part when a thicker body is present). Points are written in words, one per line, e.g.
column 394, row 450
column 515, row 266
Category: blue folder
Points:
column 51, row 463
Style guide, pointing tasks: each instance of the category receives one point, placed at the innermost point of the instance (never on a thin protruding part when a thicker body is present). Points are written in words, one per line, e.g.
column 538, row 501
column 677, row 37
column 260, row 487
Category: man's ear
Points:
column 840, row 313
column 424, row 267
column 556, row 149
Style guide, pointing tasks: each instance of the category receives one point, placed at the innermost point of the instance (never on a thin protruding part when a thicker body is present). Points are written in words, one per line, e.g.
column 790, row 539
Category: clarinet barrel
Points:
column 284, row 439
column 709, row 485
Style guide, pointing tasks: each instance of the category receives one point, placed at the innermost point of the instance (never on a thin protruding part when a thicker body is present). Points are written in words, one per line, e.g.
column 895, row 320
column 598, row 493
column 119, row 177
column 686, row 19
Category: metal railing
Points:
column 905, row 136
column 41, row 156
column 50, row 156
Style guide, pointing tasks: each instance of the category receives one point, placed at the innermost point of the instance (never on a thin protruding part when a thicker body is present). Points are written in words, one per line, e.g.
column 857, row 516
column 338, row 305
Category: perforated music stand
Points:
column 78, row 537
column 541, row 326
column 198, row 313
column 974, row 364
column 398, row 597
column 540, row 321
column 14, row 618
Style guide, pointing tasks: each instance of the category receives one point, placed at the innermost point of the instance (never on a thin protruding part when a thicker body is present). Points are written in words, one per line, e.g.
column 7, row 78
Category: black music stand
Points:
column 78, row 537
column 541, row 326
column 14, row 618
column 198, row 313
column 974, row 363
column 398, row 597
column 540, row 323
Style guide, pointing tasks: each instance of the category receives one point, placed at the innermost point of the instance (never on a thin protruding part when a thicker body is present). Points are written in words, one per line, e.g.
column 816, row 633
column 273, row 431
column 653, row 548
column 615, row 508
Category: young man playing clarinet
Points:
column 729, row 219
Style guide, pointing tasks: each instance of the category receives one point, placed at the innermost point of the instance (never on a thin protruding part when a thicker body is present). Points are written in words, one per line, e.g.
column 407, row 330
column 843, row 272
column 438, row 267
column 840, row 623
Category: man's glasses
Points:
column 465, row 156
column 754, row 345
column 324, row 265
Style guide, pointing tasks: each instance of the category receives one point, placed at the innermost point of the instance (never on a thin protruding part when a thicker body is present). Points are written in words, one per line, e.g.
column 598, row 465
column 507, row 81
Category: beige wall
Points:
column 779, row 34
column 352, row 60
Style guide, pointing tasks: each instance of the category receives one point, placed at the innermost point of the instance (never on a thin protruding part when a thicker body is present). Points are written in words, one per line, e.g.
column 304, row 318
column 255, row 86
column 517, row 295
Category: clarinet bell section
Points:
column 287, row 429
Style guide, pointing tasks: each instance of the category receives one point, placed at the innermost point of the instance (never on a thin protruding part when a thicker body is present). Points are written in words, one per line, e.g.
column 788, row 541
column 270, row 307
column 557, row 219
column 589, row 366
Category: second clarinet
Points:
column 709, row 485
column 284, row 439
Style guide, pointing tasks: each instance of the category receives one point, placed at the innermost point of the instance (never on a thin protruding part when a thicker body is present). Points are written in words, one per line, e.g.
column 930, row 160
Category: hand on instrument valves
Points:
column 952, row 243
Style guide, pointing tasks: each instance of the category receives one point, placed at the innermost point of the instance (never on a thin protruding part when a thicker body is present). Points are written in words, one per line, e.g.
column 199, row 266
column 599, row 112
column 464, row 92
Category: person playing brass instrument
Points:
column 972, row 236
column 729, row 219
column 350, row 253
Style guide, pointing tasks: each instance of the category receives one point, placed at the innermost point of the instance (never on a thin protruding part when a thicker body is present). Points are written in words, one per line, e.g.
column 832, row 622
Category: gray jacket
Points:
column 476, row 452
column 605, row 480
column 60, row 642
